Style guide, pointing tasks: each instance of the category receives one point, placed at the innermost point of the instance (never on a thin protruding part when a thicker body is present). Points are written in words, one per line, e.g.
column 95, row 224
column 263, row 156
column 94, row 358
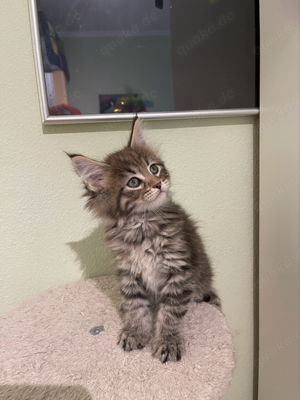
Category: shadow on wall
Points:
column 94, row 256
column 26, row 392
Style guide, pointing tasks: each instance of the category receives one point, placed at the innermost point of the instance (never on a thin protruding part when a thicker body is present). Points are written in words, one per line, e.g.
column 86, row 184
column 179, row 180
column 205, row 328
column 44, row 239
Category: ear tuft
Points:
column 93, row 173
column 71, row 155
column 136, row 138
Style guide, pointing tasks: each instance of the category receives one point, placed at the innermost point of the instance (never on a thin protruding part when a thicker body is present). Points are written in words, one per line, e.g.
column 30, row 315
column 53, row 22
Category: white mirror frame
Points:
column 66, row 119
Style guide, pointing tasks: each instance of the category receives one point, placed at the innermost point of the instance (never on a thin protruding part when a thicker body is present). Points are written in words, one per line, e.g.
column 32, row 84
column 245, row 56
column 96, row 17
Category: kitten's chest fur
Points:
column 146, row 247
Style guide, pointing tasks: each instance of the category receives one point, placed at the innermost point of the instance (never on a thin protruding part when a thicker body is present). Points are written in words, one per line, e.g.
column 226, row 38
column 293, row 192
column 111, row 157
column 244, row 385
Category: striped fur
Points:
column 161, row 262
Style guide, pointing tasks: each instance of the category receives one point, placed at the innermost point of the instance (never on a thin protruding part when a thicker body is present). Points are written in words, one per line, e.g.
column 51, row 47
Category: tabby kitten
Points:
column 161, row 262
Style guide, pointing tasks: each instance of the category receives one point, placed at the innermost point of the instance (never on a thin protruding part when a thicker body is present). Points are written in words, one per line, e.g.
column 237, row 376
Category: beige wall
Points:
column 279, row 201
column 48, row 239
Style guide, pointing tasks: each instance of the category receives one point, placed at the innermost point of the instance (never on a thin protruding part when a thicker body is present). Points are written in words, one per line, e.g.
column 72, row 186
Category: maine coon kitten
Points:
column 161, row 261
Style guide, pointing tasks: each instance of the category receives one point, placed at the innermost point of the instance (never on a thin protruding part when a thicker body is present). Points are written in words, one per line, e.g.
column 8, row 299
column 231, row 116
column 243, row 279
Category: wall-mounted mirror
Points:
column 106, row 59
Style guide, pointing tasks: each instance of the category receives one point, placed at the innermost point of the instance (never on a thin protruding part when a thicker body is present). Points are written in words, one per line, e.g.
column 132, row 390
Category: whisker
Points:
column 159, row 213
column 186, row 184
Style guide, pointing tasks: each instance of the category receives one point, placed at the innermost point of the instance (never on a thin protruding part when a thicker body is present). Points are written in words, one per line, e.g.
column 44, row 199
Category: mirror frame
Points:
column 86, row 118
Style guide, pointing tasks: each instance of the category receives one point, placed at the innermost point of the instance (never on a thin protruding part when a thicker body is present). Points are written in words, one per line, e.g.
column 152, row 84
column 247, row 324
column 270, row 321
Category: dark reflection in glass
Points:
column 115, row 56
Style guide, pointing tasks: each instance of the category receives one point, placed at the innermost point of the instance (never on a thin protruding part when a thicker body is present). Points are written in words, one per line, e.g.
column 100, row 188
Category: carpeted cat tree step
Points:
column 48, row 352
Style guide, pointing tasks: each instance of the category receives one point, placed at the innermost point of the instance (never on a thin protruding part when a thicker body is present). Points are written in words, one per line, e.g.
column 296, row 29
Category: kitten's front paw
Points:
column 167, row 349
column 132, row 340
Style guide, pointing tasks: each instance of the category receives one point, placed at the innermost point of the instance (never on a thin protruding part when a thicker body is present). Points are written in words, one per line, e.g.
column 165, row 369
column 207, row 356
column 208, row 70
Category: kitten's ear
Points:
column 136, row 138
column 93, row 173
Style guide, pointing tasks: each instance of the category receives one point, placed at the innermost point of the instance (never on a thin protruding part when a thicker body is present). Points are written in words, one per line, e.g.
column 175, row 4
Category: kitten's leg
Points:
column 136, row 331
column 168, row 344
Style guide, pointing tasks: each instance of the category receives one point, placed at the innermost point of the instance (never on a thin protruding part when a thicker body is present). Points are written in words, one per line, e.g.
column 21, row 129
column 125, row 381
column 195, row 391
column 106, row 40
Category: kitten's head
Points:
column 132, row 180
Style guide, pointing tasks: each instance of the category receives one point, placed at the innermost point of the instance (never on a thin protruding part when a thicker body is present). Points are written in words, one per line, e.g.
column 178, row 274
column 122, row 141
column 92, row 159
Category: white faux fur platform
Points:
column 47, row 351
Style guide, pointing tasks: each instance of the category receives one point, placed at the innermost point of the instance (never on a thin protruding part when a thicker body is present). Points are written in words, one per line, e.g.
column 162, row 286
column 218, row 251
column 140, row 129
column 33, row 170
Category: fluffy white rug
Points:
column 47, row 351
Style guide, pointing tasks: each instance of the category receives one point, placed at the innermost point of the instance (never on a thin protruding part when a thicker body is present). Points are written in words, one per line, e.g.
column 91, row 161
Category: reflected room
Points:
column 104, row 56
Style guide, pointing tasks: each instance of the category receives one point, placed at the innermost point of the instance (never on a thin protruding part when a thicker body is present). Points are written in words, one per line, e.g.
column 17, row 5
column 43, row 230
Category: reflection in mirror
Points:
column 127, row 56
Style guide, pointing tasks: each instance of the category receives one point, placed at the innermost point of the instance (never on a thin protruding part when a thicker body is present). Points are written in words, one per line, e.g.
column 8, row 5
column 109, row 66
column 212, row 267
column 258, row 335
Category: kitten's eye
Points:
column 134, row 182
column 153, row 169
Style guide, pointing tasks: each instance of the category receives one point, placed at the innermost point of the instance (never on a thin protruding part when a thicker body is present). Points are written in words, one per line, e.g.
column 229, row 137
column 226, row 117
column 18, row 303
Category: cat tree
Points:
column 62, row 346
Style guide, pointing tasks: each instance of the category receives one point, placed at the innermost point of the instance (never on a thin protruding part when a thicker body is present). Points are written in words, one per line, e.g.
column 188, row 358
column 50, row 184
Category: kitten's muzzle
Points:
column 157, row 185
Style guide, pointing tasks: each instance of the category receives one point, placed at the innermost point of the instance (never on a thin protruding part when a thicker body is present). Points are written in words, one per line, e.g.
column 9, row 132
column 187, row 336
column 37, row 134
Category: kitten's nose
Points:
column 158, row 185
